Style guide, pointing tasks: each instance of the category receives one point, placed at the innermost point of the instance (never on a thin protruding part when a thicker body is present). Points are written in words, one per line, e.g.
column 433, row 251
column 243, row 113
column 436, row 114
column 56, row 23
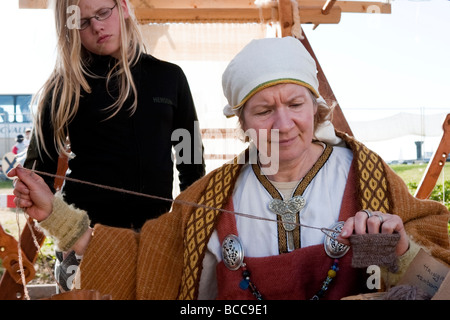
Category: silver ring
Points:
column 380, row 217
column 369, row 213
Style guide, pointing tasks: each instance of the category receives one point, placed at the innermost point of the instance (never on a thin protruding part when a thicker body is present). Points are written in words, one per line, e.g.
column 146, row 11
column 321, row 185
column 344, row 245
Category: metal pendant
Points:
column 288, row 210
column 334, row 248
column 232, row 252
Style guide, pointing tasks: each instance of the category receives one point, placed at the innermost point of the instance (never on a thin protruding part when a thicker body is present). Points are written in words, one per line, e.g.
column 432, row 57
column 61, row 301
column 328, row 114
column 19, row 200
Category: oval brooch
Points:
column 334, row 248
column 232, row 252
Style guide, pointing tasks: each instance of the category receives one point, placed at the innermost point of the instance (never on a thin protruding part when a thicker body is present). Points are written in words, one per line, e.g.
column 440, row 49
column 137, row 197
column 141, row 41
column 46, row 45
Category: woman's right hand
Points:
column 32, row 193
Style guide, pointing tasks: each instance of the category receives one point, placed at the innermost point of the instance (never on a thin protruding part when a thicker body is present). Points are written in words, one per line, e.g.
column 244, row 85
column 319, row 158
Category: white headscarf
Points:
column 267, row 62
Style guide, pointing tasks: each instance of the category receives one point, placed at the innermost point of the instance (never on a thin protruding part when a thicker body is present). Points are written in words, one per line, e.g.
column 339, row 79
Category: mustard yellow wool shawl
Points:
column 164, row 260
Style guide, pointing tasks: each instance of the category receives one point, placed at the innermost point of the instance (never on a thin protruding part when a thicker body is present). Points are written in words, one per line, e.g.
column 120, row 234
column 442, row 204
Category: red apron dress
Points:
column 297, row 275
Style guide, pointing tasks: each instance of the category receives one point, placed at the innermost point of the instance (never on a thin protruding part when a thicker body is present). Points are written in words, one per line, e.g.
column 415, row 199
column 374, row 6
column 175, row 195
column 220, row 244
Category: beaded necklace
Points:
column 234, row 259
column 246, row 283
column 333, row 249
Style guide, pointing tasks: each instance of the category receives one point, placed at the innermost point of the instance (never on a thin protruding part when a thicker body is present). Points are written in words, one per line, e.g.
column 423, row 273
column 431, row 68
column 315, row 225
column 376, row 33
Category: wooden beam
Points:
column 307, row 15
column 147, row 15
column 174, row 4
column 33, row 4
column 346, row 6
column 195, row 4
column 285, row 17
column 351, row 6
column 364, row 7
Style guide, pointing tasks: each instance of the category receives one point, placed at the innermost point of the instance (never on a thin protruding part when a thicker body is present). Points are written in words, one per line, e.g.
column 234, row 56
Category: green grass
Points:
column 6, row 184
column 413, row 173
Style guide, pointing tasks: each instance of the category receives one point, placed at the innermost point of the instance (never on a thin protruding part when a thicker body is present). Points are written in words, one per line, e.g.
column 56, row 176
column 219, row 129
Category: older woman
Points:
column 254, row 228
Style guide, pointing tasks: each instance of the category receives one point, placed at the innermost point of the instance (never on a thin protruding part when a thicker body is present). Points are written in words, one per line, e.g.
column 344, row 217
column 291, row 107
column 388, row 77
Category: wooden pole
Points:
column 327, row 6
column 286, row 21
column 435, row 166
column 339, row 121
column 285, row 17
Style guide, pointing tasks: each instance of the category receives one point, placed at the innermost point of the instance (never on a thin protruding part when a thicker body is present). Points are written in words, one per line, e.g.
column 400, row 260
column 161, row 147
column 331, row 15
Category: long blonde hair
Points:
column 64, row 86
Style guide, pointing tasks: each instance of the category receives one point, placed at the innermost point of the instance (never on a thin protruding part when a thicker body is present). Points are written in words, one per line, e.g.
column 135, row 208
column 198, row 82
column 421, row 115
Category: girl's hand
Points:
column 32, row 193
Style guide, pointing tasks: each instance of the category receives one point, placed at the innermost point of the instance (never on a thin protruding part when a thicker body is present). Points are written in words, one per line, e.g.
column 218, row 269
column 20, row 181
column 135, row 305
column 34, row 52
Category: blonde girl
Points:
column 117, row 106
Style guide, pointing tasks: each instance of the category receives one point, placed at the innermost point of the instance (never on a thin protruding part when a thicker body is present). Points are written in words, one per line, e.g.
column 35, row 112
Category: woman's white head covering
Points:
column 267, row 62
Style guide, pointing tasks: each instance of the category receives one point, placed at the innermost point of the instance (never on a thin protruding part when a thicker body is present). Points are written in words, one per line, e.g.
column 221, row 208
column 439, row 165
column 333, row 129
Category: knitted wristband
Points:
column 391, row 279
column 375, row 249
column 66, row 224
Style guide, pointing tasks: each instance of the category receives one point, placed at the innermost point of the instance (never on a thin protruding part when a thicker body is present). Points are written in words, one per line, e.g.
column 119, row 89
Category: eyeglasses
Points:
column 101, row 15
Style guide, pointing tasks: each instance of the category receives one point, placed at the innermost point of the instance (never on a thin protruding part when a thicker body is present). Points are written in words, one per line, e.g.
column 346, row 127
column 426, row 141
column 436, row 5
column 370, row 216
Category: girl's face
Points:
column 102, row 37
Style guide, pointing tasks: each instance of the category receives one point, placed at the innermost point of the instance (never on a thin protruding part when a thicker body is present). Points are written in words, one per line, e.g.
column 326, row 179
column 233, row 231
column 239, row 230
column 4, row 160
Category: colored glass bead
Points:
column 331, row 273
column 244, row 284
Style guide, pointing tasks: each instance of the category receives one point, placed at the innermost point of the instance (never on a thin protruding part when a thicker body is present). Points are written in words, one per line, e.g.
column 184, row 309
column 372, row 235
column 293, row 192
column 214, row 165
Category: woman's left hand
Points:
column 366, row 221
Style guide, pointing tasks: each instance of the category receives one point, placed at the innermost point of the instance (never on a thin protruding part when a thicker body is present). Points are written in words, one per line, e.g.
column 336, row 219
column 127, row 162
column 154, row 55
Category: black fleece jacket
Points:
column 132, row 152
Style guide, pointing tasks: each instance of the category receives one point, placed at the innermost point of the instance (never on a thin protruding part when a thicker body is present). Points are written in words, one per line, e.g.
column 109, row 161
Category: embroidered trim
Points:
column 282, row 240
column 372, row 183
column 201, row 225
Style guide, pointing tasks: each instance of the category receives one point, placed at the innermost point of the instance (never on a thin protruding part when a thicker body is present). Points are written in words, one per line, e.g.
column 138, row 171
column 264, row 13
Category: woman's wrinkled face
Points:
column 102, row 37
column 287, row 109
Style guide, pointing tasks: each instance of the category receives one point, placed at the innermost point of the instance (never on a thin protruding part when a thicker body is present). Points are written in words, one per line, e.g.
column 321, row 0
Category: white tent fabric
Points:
column 203, row 51
column 399, row 125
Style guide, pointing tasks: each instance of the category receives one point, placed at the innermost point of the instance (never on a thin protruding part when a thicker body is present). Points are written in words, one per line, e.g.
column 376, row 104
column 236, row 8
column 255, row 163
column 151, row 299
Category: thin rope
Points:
column 326, row 231
column 19, row 254
column 296, row 29
column 39, row 249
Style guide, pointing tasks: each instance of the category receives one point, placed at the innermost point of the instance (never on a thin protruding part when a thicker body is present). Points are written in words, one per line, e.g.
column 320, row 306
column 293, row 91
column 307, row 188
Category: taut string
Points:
column 326, row 231
column 19, row 250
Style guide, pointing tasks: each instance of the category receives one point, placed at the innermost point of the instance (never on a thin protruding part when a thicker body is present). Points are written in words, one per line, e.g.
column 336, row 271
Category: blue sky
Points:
column 388, row 61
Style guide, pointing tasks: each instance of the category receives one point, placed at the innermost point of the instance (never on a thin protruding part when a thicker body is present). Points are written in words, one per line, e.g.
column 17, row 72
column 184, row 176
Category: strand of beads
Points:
column 247, row 284
column 330, row 276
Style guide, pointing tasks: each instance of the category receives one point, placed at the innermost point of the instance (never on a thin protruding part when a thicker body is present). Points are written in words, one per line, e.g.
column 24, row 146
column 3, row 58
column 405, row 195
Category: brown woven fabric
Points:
column 110, row 264
column 375, row 249
column 426, row 221
column 162, row 261
column 167, row 262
